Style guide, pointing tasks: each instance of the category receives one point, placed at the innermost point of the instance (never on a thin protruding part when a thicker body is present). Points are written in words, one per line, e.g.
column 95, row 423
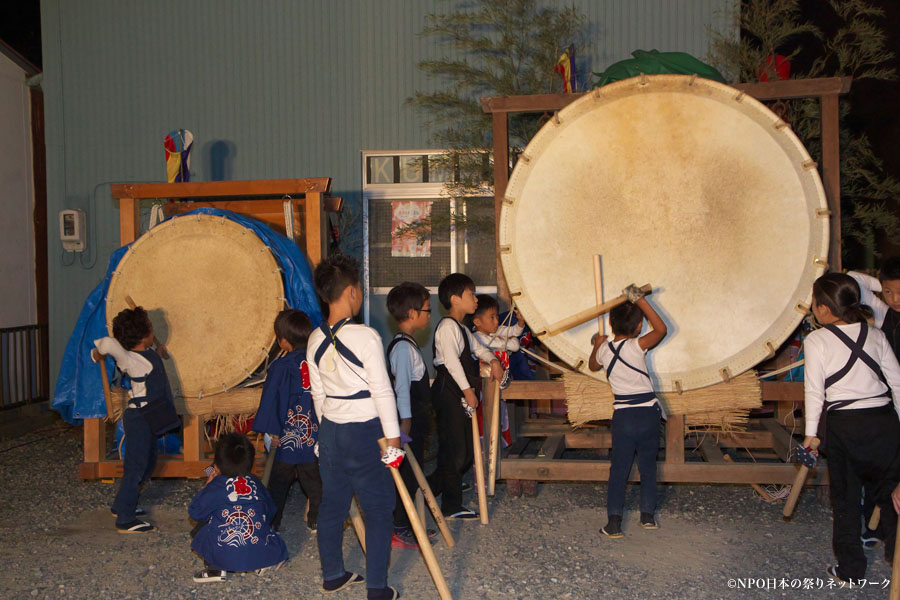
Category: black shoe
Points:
column 648, row 521
column 210, row 575
column 138, row 512
column 330, row 586
column 387, row 593
column 136, row 526
column 870, row 540
column 464, row 514
column 833, row 575
column 613, row 528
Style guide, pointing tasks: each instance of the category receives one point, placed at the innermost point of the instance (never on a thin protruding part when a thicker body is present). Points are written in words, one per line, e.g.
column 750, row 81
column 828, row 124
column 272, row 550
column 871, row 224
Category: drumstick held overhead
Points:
column 591, row 313
column 160, row 347
column 598, row 291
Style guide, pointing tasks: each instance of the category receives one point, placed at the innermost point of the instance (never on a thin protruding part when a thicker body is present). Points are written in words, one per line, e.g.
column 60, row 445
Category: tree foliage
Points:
column 855, row 45
column 495, row 48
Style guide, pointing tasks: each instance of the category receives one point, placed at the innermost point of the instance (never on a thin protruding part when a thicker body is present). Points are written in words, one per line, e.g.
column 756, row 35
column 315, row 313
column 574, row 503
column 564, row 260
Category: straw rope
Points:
column 724, row 406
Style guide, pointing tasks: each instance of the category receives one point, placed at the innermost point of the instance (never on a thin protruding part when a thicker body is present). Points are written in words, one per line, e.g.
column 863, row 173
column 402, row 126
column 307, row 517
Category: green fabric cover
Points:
column 654, row 62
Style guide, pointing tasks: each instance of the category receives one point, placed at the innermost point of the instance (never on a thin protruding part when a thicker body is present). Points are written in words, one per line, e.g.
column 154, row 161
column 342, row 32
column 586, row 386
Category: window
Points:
column 400, row 188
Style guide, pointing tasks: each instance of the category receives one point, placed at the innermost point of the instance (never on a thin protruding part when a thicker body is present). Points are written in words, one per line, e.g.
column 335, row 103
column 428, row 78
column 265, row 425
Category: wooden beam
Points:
column 193, row 437
column 782, row 440
column 781, row 391
column 675, row 439
column 796, row 88
column 208, row 189
column 771, row 90
column 693, row 472
column 553, row 447
column 313, row 228
column 711, row 452
column 535, row 390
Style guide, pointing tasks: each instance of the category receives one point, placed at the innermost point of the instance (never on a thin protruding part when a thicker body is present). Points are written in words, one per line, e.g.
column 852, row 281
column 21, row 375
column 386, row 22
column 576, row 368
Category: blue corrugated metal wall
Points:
column 287, row 88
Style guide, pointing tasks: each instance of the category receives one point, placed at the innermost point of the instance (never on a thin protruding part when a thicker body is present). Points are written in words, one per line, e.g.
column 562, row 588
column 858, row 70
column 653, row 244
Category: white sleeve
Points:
column 380, row 384
column 315, row 382
column 867, row 286
column 134, row 365
column 480, row 350
column 891, row 370
column 813, row 384
column 447, row 340
column 504, row 339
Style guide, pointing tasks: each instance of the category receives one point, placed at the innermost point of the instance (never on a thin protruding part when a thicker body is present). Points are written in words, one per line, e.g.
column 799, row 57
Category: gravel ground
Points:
column 60, row 543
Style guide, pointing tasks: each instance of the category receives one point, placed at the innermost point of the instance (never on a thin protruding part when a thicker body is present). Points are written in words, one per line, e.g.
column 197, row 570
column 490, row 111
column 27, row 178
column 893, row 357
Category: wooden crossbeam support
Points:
column 693, row 472
column 553, row 447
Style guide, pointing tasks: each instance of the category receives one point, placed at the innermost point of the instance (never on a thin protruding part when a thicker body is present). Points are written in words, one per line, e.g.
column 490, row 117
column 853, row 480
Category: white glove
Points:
column 469, row 410
column 633, row 293
column 392, row 457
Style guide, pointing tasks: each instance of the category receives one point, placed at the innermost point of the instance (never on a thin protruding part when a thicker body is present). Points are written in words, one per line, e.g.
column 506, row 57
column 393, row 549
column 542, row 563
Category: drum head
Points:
column 680, row 182
column 212, row 289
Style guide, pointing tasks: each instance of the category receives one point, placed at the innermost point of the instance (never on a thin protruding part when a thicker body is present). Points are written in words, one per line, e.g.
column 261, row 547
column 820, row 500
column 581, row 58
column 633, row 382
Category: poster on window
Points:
column 404, row 212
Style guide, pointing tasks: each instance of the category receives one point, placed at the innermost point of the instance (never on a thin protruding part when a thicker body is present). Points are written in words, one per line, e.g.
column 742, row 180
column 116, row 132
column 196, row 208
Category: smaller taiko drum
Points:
column 213, row 290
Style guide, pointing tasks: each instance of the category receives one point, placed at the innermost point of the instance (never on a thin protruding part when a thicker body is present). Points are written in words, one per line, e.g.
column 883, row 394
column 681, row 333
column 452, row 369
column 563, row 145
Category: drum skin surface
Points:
column 212, row 289
column 680, row 182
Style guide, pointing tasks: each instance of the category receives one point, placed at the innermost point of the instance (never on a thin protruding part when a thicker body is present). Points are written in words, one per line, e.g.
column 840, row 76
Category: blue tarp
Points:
column 78, row 393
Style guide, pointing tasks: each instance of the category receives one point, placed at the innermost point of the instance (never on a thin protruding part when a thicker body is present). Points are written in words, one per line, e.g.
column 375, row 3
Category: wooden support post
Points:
column 94, row 440
column 831, row 174
column 675, row 439
column 895, row 568
column 501, row 178
column 799, row 481
column 193, row 438
column 420, row 505
column 313, row 227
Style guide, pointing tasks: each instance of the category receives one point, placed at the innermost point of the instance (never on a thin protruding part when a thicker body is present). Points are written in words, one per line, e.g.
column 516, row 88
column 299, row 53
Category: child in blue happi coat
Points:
column 286, row 413
column 234, row 513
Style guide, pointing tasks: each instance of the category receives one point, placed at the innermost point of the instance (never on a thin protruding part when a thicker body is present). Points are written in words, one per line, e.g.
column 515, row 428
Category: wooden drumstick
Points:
column 421, row 535
column 875, row 518
column 493, row 444
column 267, row 470
column 429, row 496
column 420, row 505
column 598, row 291
column 799, row 480
column 160, row 347
column 104, row 381
column 479, row 470
column 895, row 568
column 591, row 313
column 358, row 524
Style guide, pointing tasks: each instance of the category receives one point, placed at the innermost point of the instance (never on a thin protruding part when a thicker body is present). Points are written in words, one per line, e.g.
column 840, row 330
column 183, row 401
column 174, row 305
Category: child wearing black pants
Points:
column 410, row 304
column 454, row 391
column 850, row 374
column 286, row 414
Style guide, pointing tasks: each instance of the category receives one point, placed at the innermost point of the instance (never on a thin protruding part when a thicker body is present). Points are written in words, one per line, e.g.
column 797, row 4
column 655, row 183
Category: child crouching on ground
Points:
column 233, row 513
column 636, row 411
column 286, row 413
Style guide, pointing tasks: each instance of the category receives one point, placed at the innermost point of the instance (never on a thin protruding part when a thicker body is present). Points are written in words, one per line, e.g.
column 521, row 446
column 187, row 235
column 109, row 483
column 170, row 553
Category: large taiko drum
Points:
column 680, row 182
column 212, row 289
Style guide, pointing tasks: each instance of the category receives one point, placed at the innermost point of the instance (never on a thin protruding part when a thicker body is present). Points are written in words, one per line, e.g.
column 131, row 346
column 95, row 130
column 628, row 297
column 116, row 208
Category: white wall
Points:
column 18, row 304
